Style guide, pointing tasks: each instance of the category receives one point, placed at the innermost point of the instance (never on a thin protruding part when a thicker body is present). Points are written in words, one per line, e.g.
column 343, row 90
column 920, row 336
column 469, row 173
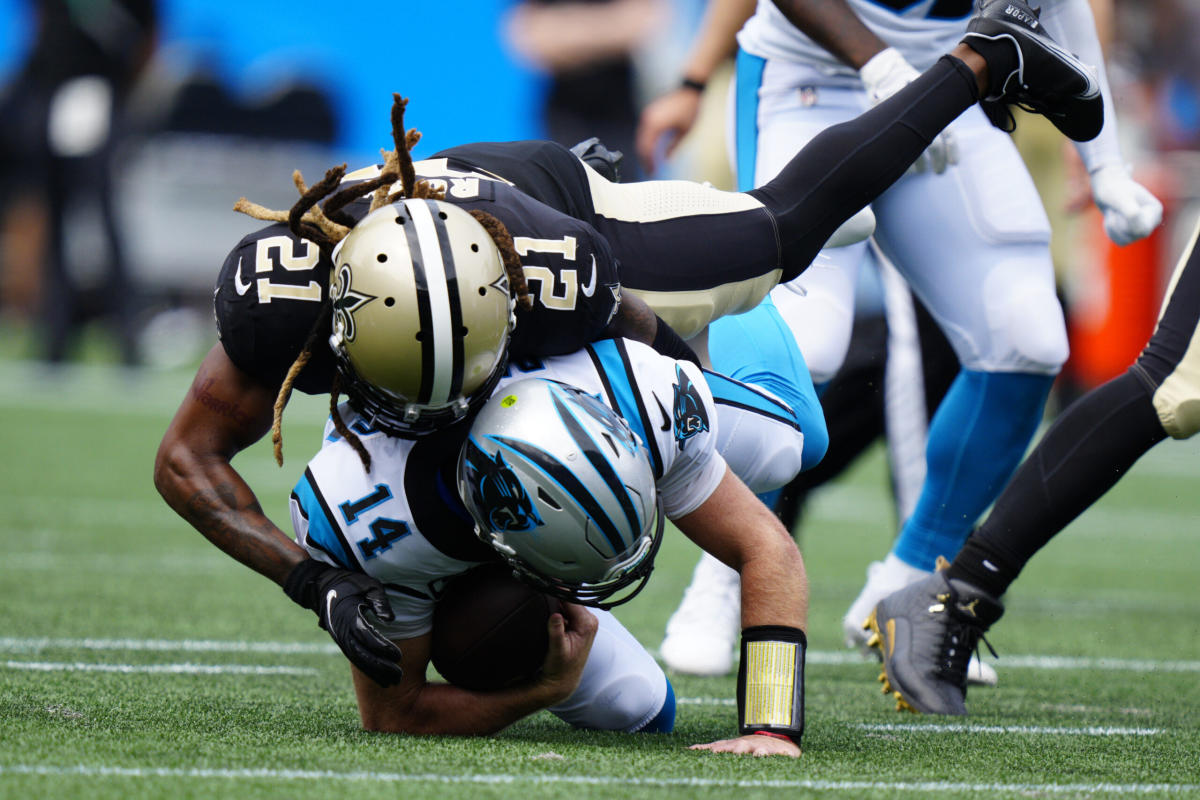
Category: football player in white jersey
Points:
column 616, row 435
column 965, row 227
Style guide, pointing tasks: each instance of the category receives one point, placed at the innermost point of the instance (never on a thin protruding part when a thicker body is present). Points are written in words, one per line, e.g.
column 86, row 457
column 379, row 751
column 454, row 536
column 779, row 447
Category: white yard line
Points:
column 15, row 644
column 33, row 645
column 922, row 787
column 157, row 669
column 1091, row 730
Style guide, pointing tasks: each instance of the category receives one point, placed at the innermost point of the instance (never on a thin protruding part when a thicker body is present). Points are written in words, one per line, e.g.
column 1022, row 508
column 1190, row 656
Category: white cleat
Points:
column 883, row 578
column 980, row 673
column 704, row 630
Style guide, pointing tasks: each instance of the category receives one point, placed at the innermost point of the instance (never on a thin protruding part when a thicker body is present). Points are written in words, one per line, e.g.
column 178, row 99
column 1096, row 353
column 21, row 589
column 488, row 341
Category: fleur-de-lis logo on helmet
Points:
column 346, row 301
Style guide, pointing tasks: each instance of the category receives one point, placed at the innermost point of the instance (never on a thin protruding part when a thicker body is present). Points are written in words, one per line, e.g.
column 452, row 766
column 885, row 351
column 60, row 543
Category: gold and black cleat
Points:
column 925, row 635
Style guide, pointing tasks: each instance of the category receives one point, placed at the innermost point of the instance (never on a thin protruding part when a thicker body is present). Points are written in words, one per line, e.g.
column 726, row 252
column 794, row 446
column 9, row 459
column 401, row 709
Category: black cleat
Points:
column 925, row 634
column 1046, row 79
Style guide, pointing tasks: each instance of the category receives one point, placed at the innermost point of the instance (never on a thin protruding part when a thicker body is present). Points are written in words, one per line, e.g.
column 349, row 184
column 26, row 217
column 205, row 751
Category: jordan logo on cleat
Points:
column 969, row 608
column 1019, row 15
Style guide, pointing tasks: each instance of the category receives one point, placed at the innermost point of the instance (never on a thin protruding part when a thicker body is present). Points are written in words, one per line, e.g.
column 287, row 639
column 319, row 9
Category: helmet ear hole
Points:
column 474, row 247
column 381, row 258
column 547, row 499
column 389, row 301
column 483, row 291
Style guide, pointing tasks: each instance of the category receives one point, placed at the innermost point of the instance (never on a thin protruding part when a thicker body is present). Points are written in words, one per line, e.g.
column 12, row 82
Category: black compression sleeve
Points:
column 669, row 343
column 1087, row 450
column 846, row 166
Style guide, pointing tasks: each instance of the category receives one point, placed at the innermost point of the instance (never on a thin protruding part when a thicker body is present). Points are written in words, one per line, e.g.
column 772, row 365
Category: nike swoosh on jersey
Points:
column 666, row 426
column 242, row 287
column 329, row 598
column 590, row 288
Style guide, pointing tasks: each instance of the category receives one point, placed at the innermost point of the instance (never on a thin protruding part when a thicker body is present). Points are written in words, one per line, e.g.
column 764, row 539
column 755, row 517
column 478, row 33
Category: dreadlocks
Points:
column 328, row 224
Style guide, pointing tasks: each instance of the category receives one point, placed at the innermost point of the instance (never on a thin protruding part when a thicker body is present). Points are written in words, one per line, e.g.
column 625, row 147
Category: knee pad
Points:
column 1177, row 401
column 820, row 321
column 854, row 230
column 1027, row 332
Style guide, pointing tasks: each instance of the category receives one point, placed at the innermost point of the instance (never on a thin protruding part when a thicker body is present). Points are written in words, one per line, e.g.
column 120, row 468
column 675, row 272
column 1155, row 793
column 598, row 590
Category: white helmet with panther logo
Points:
column 561, row 487
column 422, row 315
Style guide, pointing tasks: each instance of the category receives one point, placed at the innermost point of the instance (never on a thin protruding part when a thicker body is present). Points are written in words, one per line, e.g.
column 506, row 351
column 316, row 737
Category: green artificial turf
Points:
column 99, row 581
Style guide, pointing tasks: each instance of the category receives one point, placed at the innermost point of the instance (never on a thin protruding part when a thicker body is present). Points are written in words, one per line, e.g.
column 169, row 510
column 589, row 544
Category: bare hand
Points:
column 571, row 635
column 753, row 745
column 668, row 118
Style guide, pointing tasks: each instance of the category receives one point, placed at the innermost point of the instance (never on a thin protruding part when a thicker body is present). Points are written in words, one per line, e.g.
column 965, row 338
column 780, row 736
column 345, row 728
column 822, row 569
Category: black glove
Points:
column 340, row 597
column 593, row 153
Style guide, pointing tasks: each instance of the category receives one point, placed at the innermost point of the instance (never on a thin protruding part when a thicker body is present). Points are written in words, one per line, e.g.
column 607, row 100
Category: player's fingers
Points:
column 648, row 135
column 380, row 606
column 381, row 670
column 580, row 620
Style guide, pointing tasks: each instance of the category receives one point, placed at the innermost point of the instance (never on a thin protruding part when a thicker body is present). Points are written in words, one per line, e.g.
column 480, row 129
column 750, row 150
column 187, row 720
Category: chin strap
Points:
column 770, row 688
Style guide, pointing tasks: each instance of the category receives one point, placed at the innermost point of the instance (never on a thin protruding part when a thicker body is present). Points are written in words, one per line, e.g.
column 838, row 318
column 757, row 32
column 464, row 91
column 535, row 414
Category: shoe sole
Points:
column 877, row 643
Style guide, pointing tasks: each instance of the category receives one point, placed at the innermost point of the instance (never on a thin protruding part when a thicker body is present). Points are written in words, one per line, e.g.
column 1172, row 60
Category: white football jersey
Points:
column 922, row 31
column 403, row 523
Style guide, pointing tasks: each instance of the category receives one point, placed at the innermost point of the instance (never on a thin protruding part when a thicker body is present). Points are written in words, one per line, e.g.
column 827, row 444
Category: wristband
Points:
column 693, row 84
column 770, row 689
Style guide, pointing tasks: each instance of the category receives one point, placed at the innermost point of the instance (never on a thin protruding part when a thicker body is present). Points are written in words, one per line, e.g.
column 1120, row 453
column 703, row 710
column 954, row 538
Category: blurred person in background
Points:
column 587, row 48
column 1160, row 39
column 64, row 119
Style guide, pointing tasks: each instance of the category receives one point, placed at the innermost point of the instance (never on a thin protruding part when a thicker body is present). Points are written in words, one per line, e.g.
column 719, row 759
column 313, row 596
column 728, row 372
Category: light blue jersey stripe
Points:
column 322, row 531
column 727, row 391
column 614, row 372
column 749, row 79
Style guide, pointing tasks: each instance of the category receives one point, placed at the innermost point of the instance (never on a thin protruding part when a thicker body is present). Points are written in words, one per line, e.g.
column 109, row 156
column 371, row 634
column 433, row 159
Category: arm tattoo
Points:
column 243, row 533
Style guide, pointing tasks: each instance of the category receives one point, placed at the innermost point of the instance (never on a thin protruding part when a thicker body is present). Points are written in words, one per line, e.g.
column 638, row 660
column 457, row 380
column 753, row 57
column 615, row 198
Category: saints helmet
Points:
column 422, row 315
column 560, row 486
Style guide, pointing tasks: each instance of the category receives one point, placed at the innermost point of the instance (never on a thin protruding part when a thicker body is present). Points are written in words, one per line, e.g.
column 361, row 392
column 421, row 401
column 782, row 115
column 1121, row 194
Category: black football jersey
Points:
column 272, row 286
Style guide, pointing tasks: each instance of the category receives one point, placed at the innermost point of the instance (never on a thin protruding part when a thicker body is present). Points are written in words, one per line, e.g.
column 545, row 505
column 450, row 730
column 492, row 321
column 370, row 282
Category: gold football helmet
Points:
column 422, row 315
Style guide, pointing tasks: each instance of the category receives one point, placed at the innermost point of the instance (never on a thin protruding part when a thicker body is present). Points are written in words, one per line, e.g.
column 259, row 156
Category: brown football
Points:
column 489, row 629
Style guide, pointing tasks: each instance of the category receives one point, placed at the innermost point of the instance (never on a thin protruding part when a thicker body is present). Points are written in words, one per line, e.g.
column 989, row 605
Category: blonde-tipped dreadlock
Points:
column 329, row 224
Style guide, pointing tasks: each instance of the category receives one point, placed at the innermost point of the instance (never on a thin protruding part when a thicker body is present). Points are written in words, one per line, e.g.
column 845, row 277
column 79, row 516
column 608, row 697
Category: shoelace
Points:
column 959, row 643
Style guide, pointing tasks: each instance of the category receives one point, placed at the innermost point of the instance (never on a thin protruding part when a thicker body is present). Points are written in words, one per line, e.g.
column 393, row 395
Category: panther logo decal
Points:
column 497, row 492
column 345, row 302
column 689, row 416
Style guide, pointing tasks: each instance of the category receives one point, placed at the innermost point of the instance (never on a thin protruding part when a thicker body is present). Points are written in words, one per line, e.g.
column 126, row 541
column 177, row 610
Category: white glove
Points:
column 1130, row 211
column 887, row 73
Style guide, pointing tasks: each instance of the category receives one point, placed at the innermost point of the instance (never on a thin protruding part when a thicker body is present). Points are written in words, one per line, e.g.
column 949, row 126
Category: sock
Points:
column 1087, row 450
column 664, row 720
column 976, row 439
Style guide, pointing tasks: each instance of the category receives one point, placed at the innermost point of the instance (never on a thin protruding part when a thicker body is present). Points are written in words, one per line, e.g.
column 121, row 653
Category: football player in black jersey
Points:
column 665, row 235
column 1090, row 446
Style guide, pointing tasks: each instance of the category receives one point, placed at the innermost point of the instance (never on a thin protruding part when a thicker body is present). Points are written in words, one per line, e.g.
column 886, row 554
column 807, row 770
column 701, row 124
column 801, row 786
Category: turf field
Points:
column 136, row 660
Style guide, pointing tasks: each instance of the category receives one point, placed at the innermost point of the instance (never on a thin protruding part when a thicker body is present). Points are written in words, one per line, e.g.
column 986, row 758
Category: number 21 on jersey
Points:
column 293, row 256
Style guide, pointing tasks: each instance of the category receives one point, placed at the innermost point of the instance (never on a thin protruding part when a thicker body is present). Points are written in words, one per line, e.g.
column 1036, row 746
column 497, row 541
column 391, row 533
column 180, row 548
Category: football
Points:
column 489, row 629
